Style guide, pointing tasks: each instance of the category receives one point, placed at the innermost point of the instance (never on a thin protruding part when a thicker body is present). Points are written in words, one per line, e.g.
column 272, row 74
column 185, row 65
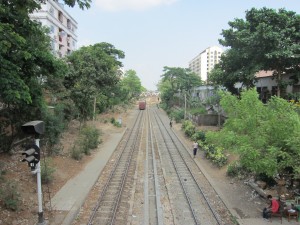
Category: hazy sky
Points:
column 158, row 33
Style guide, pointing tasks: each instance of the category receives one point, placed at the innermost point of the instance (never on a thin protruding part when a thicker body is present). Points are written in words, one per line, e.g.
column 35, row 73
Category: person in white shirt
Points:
column 195, row 148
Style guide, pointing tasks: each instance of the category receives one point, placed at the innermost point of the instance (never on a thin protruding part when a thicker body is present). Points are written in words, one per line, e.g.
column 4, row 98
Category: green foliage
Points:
column 188, row 128
column 112, row 120
column 115, row 122
column 47, row 171
column 267, row 39
column 10, row 196
column 131, row 84
column 199, row 135
column 54, row 124
column 175, row 79
column 177, row 115
column 81, row 3
column 76, row 152
column 26, row 62
column 235, row 169
column 215, row 154
column 92, row 69
column 197, row 111
column 266, row 137
column 89, row 139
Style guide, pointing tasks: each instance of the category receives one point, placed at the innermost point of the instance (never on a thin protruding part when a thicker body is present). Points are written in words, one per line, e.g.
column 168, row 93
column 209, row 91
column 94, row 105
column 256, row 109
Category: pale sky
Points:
column 158, row 33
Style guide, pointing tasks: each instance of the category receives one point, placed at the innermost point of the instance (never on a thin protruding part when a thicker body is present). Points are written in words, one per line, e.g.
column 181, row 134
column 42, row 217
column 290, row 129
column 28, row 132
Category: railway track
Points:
column 112, row 204
column 190, row 202
column 153, row 180
column 153, row 207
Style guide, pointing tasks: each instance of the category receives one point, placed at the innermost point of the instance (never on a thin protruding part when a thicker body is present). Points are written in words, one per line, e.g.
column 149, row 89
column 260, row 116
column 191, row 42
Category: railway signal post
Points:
column 32, row 157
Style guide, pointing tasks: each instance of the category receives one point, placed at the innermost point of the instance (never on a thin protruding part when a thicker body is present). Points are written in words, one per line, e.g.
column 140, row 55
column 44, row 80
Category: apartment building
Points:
column 203, row 63
column 62, row 27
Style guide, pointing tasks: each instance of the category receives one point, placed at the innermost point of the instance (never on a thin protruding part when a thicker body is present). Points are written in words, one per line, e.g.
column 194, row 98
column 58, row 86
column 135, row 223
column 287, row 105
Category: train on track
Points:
column 142, row 105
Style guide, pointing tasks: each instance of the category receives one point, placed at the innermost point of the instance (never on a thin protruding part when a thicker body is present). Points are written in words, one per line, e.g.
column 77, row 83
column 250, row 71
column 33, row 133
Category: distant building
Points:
column 203, row 63
column 62, row 27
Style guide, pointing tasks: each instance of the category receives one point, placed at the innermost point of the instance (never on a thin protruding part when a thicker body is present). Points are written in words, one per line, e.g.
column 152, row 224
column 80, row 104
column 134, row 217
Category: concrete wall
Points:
column 208, row 119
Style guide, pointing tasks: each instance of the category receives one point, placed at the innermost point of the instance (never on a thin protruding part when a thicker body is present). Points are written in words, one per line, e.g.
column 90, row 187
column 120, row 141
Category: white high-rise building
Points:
column 62, row 27
column 203, row 63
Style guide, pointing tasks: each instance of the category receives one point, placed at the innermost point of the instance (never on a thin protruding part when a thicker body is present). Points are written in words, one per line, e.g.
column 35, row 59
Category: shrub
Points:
column 55, row 125
column 112, row 120
column 199, row 135
column 178, row 115
column 188, row 128
column 76, row 153
column 198, row 111
column 10, row 196
column 46, row 171
column 215, row 154
column 88, row 140
column 236, row 169
column 90, row 137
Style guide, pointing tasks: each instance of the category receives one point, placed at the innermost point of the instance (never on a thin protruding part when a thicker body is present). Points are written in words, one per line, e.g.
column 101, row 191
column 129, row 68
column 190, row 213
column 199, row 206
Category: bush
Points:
column 178, row 115
column 198, row 111
column 10, row 196
column 112, row 120
column 235, row 169
column 188, row 128
column 199, row 135
column 88, row 140
column 46, row 171
column 55, row 125
column 215, row 154
column 76, row 153
column 90, row 137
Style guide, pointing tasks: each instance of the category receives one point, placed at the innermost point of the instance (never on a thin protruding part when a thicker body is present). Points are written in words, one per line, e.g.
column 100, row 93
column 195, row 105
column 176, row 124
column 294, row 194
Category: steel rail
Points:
column 136, row 126
column 180, row 179
column 184, row 161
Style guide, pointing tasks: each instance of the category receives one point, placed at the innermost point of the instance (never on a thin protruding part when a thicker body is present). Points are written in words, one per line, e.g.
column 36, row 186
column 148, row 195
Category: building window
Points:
column 51, row 11
column 52, row 29
column 69, row 24
column 60, row 17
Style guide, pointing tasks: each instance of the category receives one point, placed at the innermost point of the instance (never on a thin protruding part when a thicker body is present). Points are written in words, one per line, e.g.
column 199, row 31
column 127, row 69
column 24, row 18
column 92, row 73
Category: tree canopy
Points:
column 265, row 137
column 176, row 79
column 131, row 84
column 266, row 40
column 92, row 69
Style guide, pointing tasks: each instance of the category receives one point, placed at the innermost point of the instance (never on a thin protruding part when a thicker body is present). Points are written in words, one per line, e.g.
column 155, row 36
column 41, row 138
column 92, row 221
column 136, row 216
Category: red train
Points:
column 142, row 105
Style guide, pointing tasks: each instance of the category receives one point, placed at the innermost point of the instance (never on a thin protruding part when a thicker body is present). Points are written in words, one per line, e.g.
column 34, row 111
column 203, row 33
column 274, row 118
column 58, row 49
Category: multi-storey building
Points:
column 203, row 63
column 61, row 25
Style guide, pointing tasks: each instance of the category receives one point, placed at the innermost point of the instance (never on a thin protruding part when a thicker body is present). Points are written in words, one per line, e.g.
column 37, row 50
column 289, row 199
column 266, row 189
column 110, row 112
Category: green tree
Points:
column 266, row 138
column 92, row 69
column 26, row 63
column 131, row 84
column 176, row 79
column 266, row 40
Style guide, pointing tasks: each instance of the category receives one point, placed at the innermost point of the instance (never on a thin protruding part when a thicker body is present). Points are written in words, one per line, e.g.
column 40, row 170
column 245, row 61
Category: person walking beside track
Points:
column 195, row 148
